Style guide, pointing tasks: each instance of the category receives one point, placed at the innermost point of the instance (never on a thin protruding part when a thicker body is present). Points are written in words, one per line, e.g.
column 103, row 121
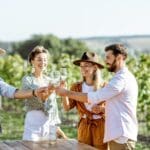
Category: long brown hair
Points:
column 36, row 50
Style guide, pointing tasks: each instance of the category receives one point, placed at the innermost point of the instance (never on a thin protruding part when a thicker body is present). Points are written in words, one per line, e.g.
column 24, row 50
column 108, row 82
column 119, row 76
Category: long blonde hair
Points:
column 97, row 79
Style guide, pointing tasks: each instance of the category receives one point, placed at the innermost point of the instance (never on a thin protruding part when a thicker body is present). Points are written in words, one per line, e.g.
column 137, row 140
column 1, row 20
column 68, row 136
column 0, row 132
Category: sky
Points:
column 19, row 19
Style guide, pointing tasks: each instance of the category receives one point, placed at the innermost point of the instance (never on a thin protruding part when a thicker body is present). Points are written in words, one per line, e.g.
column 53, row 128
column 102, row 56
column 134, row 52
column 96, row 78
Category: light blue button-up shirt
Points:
column 121, row 100
column 6, row 89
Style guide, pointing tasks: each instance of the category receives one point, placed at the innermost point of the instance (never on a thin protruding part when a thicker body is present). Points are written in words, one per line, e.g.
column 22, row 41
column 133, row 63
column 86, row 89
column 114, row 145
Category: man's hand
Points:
column 61, row 91
column 58, row 89
column 63, row 84
column 42, row 93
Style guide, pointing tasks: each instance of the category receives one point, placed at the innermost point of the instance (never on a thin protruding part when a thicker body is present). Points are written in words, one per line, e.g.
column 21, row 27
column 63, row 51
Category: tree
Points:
column 54, row 45
column 140, row 68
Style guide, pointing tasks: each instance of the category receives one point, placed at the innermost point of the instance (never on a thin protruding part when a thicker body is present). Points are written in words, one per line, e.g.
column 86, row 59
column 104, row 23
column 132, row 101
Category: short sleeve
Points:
column 26, row 83
column 7, row 90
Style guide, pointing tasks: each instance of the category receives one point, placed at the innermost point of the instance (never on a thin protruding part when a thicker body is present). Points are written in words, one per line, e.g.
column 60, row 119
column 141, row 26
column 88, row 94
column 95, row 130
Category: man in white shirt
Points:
column 120, row 94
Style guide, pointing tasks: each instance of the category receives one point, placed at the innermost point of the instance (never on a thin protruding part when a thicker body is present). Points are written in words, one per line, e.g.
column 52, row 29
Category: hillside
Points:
column 135, row 44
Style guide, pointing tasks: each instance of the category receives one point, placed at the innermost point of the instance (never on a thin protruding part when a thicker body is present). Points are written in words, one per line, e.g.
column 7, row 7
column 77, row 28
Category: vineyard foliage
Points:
column 13, row 68
column 63, row 52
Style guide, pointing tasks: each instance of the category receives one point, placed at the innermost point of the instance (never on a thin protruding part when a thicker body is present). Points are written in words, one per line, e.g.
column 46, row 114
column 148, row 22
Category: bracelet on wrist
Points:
column 33, row 93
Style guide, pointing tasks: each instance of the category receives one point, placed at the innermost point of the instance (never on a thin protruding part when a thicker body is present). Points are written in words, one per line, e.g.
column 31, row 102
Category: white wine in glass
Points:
column 63, row 72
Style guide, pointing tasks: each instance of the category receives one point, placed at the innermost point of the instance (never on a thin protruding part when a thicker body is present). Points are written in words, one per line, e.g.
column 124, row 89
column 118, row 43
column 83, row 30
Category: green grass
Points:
column 71, row 132
column 12, row 125
column 142, row 146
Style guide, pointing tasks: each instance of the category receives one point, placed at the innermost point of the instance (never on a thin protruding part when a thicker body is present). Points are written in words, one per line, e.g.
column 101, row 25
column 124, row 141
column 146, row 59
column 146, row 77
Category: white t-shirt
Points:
column 85, row 89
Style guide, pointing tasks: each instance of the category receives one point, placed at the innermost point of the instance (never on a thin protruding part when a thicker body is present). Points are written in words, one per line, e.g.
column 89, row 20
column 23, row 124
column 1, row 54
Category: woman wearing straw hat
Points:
column 91, row 125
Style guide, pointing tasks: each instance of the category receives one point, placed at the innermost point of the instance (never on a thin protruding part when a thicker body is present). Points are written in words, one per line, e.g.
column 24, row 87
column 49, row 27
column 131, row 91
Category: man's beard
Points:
column 113, row 67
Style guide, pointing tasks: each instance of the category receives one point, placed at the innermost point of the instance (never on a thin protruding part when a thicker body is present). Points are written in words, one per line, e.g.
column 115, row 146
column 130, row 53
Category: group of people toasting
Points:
column 107, row 111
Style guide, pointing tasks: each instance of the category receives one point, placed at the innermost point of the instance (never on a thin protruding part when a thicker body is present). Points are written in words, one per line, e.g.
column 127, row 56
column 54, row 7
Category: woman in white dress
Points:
column 41, row 116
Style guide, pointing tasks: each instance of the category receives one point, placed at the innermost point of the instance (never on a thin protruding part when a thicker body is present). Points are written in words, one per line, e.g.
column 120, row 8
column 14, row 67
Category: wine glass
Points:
column 63, row 72
column 55, row 78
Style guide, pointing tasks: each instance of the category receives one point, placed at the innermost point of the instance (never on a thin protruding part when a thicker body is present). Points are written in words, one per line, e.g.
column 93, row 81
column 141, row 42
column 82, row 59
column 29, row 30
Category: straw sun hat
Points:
column 89, row 57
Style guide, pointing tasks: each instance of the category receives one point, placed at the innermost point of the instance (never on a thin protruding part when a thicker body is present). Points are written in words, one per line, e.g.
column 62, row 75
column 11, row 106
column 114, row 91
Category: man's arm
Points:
column 112, row 89
column 115, row 86
column 78, row 96
column 41, row 93
column 21, row 94
column 12, row 92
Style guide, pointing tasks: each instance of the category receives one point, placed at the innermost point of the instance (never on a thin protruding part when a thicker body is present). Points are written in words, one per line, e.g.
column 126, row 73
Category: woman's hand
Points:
column 98, row 109
column 51, row 88
column 60, row 133
column 63, row 84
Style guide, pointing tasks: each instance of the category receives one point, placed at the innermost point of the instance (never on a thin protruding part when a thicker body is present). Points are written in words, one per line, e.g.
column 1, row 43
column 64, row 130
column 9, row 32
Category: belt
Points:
column 90, row 122
column 93, row 117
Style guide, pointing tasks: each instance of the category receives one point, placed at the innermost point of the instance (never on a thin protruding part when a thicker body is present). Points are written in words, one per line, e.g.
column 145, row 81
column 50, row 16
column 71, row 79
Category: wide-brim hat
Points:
column 89, row 57
column 2, row 51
